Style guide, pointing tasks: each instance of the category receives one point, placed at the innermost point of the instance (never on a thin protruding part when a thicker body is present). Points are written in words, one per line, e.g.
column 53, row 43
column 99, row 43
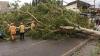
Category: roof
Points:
column 80, row 3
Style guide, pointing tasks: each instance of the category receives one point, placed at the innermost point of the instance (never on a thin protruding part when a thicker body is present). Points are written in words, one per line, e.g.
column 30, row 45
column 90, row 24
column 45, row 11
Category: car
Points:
column 2, row 33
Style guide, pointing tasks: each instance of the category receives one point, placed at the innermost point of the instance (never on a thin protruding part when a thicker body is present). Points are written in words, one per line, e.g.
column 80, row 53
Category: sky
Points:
column 67, row 1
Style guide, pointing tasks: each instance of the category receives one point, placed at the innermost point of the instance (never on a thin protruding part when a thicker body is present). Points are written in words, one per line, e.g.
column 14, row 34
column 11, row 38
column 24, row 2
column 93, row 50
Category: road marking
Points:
column 39, row 42
column 75, row 48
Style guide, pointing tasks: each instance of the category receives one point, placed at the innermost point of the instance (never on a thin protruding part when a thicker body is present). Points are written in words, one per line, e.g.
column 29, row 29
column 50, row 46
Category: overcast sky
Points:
column 88, row 1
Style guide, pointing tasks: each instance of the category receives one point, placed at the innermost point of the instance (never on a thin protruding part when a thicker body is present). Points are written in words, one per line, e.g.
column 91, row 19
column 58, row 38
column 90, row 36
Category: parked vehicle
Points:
column 2, row 33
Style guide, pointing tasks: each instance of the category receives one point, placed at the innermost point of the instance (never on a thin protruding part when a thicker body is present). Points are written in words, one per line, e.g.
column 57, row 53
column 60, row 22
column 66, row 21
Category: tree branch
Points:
column 33, row 17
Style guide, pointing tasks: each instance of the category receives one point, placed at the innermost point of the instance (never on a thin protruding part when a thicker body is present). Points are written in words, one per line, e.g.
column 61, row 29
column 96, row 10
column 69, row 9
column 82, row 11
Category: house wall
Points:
column 4, row 6
column 73, row 7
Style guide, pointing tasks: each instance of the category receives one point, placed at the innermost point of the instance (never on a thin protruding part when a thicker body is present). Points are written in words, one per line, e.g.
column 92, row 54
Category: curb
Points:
column 70, row 52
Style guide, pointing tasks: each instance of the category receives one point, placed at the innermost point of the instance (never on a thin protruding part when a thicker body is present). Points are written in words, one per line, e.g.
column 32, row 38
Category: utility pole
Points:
column 94, row 4
column 77, row 1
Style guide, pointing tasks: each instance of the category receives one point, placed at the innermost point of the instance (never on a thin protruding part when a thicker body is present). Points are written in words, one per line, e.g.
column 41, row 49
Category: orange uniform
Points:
column 12, row 30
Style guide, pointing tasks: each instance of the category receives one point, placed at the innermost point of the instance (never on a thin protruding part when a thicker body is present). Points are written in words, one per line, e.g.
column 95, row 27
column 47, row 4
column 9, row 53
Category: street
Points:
column 38, row 47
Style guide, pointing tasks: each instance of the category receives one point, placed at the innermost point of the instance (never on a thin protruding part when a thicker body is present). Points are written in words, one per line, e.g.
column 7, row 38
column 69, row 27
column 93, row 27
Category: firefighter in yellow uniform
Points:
column 32, row 25
column 22, row 31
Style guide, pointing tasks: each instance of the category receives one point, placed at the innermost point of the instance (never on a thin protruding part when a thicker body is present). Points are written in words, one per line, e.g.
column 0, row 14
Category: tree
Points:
column 35, row 2
column 15, row 5
column 48, row 16
column 60, row 2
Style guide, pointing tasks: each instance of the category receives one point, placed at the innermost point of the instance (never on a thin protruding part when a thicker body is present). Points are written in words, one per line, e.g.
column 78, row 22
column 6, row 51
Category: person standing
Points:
column 22, row 31
column 12, row 30
column 32, row 25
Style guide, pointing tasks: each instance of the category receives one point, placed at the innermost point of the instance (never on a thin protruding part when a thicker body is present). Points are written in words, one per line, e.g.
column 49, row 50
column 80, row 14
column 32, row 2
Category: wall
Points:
column 73, row 8
column 4, row 6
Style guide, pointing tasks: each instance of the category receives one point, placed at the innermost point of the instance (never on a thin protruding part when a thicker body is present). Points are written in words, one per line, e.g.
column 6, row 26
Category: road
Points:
column 38, row 47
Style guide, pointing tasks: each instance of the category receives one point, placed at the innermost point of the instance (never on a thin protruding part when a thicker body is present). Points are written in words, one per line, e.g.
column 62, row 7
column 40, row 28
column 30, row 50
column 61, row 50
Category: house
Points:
column 4, row 6
column 77, row 6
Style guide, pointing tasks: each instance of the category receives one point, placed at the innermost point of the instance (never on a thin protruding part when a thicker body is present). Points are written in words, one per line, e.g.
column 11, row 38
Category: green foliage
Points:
column 51, row 15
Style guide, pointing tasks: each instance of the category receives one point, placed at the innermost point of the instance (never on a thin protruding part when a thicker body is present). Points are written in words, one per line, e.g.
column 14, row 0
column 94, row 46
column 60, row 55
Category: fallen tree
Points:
column 90, row 32
column 49, row 18
column 63, row 14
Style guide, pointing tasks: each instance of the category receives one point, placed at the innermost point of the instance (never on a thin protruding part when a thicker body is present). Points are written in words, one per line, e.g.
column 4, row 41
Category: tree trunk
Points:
column 82, row 29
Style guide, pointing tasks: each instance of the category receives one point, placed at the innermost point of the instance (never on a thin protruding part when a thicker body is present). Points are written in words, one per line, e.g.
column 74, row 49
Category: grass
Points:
column 96, row 51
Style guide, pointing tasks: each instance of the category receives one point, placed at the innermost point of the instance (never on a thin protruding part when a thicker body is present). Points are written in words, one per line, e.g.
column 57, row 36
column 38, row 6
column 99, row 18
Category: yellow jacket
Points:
column 32, row 26
column 22, row 28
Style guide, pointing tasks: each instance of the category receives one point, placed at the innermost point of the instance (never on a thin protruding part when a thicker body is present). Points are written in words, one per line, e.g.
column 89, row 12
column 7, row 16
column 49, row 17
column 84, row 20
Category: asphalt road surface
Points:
column 38, row 47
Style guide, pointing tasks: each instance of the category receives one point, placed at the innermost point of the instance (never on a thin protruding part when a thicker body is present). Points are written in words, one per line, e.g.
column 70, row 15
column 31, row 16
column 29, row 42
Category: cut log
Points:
column 90, row 31
column 82, row 29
